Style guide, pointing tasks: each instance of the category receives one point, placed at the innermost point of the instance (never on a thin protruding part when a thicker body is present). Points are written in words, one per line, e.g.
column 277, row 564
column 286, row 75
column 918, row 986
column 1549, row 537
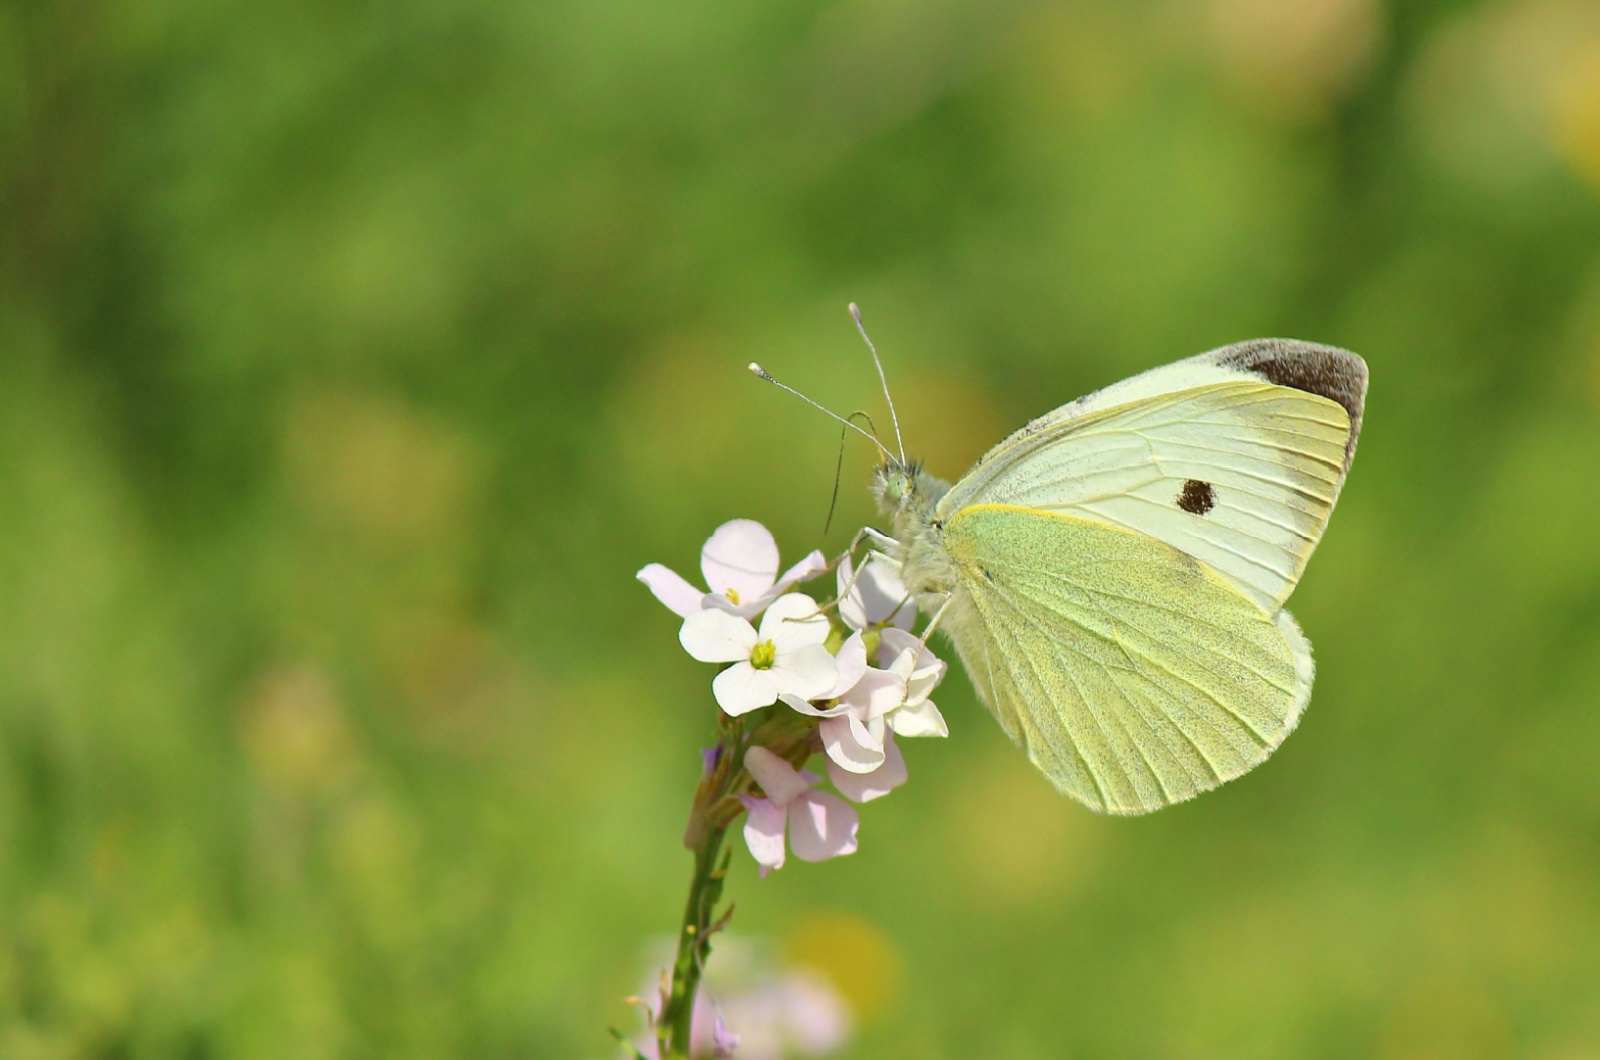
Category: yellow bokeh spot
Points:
column 294, row 733
column 1295, row 58
column 856, row 956
column 1576, row 103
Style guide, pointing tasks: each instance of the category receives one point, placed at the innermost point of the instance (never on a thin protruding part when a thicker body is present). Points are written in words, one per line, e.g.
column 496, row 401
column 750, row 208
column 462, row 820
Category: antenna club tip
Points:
column 756, row 369
column 855, row 311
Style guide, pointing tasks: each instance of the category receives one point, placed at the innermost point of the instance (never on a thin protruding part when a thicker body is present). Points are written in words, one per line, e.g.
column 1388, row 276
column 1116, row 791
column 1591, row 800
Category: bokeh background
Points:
column 353, row 356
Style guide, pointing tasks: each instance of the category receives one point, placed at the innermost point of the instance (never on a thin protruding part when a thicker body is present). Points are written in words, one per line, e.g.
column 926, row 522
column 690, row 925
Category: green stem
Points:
column 694, row 944
column 716, row 807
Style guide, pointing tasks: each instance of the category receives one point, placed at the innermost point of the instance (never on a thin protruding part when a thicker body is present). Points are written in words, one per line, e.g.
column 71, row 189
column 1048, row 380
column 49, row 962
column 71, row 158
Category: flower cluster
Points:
column 851, row 667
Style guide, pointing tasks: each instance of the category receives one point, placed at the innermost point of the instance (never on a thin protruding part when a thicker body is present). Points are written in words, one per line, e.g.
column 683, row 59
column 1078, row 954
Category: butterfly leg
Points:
column 881, row 544
column 922, row 645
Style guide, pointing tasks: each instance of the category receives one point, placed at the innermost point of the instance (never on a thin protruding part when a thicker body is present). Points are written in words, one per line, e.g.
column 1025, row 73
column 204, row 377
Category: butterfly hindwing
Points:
column 1133, row 676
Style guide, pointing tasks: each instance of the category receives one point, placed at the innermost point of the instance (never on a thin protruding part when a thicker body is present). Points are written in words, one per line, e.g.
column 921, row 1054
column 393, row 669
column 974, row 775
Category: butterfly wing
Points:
column 1133, row 676
column 1234, row 457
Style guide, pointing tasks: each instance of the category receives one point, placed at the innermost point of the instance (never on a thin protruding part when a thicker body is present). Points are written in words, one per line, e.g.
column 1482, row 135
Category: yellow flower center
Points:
column 733, row 596
column 763, row 655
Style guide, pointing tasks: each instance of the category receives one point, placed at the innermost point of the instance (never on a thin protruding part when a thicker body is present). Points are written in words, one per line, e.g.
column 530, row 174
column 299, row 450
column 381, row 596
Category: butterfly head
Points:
column 904, row 490
column 892, row 483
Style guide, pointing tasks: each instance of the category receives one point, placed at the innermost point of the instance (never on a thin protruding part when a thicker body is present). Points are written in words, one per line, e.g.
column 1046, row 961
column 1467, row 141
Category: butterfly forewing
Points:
column 1133, row 676
column 1210, row 455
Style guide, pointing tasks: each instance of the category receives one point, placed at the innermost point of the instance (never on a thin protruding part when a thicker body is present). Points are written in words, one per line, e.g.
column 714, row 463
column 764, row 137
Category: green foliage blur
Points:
column 354, row 355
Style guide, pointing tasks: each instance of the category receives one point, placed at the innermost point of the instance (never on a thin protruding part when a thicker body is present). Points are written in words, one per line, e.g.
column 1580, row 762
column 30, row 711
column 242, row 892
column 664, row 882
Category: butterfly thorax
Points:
column 910, row 496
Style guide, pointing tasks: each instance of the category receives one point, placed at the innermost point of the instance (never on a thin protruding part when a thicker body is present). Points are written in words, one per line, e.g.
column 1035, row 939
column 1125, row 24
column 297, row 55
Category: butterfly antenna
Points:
column 762, row 373
column 838, row 468
column 855, row 313
column 838, row 473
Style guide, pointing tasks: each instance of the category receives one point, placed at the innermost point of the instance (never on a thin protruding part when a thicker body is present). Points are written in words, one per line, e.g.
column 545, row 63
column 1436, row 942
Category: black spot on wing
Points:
column 1197, row 497
column 1326, row 371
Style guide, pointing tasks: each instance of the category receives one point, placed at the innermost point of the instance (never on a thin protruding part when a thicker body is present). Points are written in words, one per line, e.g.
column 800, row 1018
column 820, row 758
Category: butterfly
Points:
column 1113, row 574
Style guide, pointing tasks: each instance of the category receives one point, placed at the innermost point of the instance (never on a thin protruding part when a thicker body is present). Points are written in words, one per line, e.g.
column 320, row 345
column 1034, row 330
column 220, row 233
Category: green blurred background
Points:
column 353, row 356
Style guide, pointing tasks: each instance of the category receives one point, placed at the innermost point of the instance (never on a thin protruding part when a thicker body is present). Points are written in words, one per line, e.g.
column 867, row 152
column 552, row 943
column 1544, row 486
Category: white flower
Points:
column 857, row 717
column 819, row 824
column 852, row 726
column 877, row 594
column 740, row 564
column 785, row 657
column 921, row 673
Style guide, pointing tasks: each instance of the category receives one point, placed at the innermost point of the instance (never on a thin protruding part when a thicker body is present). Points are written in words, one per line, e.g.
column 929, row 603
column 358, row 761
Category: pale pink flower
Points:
column 786, row 656
column 723, row 1040
column 798, row 1014
column 864, row 787
column 818, row 824
column 709, row 1035
column 754, row 1007
column 740, row 564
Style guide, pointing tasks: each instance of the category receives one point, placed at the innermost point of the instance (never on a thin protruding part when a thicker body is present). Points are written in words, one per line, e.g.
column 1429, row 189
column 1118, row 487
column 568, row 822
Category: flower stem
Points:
column 694, row 942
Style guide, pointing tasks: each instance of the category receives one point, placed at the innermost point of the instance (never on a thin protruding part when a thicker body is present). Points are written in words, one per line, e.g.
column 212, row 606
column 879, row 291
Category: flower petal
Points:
column 822, row 826
column 794, row 620
column 781, row 781
column 877, row 693
column 886, row 596
column 805, row 706
column 740, row 556
column 808, row 568
column 723, row 1040
column 921, row 719
column 748, row 610
column 742, row 688
column 763, row 832
column 896, row 642
column 671, row 588
column 852, row 664
column 851, row 608
column 921, row 684
column 716, row 637
column 807, row 671
column 864, row 787
column 853, row 744
column 877, row 594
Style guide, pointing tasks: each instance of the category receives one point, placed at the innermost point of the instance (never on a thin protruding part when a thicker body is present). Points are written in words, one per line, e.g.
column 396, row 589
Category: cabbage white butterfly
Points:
column 1113, row 574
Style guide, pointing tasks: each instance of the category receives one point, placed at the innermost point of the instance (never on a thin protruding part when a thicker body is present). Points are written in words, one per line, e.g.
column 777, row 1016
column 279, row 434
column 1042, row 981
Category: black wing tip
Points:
column 1327, row 371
